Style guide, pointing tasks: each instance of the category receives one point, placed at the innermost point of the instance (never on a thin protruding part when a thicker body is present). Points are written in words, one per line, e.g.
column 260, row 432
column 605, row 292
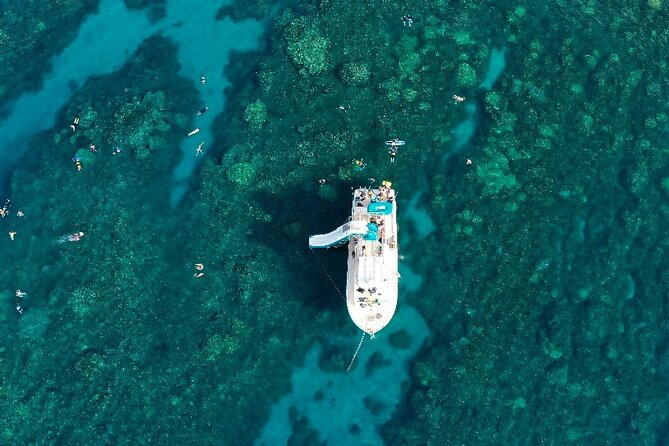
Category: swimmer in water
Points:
column 77, row 162
column 202, row 111
column 74, row 124
column 75, row 236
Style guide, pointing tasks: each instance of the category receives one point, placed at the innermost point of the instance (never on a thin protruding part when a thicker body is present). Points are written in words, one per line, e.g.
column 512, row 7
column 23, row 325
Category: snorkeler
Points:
column 74, row 237
column 198, row 151
column 394, row 144
column 4, row 211
column 74, row 124
column 392, row 151
column 203, row 80
column 202, row 111
column 77, row 162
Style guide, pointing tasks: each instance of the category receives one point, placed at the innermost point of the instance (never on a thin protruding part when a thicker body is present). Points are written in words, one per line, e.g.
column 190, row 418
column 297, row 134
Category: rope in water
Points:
column 356, row 351
column 328, row 274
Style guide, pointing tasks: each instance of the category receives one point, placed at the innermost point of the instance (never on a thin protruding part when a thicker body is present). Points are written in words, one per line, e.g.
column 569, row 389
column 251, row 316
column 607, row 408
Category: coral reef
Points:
column 543, row 272
column 307, row 47
column 242, row 173
column 255, row 114
column 30, row 34
column 354, row 73
column 465, row 75
column 141, row 124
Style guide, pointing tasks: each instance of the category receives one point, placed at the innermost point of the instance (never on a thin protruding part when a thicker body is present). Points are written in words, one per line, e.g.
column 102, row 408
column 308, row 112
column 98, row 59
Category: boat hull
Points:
column 372, row 279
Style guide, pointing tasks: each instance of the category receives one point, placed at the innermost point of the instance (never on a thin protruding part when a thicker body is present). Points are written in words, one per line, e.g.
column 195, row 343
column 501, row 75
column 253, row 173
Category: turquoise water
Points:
column 157, row 288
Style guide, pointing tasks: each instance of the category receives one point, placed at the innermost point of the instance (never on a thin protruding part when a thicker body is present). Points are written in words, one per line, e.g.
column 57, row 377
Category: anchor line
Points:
column 355, row 355
column 328, row 275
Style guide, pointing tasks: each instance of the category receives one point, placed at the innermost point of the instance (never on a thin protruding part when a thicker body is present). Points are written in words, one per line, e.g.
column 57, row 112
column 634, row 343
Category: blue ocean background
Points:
column 195, row 146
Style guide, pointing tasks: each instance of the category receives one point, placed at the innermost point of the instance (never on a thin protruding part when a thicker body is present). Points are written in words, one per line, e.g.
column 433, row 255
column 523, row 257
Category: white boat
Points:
column 372, row 278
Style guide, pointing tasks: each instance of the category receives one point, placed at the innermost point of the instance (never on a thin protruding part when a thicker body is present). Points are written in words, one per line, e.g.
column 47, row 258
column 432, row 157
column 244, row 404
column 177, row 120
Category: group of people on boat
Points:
column 386, row 192
column 368, row 295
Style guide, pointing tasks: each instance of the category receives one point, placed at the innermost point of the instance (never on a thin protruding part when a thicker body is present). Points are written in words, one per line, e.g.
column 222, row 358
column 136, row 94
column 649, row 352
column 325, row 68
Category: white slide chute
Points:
column 339, row 235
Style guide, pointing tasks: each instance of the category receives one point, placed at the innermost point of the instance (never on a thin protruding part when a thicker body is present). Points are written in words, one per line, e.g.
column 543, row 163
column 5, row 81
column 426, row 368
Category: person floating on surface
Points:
column 198, row 151
column 202, row 111
column 359, row 164
column 344, row 107
column 75, row 236
column 12, row 234
column 392, row 151
column 77, row 162
column 74, row 124
column 407, row 20
column 393, row 146
column 203, row 80
column 20, row 293
column 199, row 267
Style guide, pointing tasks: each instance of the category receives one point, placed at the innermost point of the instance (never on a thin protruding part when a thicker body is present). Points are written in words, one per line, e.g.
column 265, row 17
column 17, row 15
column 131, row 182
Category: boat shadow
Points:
column 294, row 217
